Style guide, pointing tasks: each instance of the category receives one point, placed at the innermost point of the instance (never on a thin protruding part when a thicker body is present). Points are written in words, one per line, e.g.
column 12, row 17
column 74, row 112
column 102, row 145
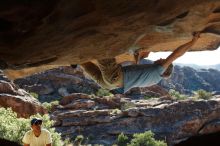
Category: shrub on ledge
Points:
column 146, row 139
column 202, row 94
column 103, row 92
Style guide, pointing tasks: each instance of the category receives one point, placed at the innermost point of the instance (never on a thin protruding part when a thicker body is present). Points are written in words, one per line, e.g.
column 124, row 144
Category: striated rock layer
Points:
column 102, row 119
column 19, row 100
column 60, row 32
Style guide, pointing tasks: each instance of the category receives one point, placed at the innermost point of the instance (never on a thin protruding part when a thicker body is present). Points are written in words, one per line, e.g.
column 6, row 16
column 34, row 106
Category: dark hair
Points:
column 168, row 71
column 36, row 121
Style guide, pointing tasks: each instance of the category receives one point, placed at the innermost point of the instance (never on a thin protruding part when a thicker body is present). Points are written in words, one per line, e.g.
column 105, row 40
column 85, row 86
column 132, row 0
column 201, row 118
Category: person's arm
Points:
column 26, row 145
column 180, row 51
column 48, row 139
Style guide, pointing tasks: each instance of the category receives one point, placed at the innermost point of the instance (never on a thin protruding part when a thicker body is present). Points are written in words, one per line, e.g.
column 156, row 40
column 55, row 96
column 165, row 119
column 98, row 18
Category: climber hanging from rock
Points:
column 111, row 75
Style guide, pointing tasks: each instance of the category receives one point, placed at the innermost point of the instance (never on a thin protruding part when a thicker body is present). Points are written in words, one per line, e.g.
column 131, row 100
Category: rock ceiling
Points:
column 62, row 32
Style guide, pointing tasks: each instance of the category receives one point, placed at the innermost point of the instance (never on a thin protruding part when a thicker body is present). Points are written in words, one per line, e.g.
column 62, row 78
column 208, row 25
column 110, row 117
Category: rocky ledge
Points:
column 102, row 119
column 18, row 99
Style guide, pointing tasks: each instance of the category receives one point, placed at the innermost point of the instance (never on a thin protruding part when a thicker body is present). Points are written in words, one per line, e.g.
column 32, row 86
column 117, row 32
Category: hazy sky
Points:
column 199, row 58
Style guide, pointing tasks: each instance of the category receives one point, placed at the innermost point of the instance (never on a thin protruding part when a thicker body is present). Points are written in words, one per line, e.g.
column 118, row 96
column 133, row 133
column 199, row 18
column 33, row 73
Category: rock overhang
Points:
column 47, row 33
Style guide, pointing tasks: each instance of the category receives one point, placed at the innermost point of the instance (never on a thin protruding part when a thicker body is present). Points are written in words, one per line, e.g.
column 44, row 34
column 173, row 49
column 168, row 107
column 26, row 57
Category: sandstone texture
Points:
column 39, row 34
column 19, row 100
column 101, row 122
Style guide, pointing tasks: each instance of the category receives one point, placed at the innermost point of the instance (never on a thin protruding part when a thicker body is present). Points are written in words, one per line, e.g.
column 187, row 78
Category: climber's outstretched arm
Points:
column 180, row 51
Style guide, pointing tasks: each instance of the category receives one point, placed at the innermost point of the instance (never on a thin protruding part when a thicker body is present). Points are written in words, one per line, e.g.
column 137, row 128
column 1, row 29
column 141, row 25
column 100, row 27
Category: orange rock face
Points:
column 59, row 32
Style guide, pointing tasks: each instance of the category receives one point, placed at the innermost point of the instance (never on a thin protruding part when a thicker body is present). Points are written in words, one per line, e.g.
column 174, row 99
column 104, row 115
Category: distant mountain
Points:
column 195, row 66
column 217, row 66
column 187, row 79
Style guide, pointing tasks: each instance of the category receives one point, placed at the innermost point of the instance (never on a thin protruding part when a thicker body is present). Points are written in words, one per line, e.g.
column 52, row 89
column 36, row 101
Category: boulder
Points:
column 19, row 100
column 56, row 83
column 80, row 100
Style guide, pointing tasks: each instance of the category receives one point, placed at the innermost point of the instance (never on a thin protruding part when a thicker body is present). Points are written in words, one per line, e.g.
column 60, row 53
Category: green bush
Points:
column 127, row 105
column 122, row 140
column 149, row 97
column 78, row 140
column 50, row 105
column 116, row 112
column 35, row 95
column 146, row 139
column 177, row 95
column 202, row 94
column 103, row 92
column 13, row 128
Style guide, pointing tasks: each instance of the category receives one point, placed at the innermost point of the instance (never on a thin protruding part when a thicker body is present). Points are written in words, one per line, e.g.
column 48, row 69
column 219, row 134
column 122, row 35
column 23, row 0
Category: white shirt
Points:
column 42, row 140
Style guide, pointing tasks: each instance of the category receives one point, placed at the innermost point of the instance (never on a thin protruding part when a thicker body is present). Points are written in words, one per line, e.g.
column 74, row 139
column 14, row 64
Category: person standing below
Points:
column 37, row 136
column 111, row 75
